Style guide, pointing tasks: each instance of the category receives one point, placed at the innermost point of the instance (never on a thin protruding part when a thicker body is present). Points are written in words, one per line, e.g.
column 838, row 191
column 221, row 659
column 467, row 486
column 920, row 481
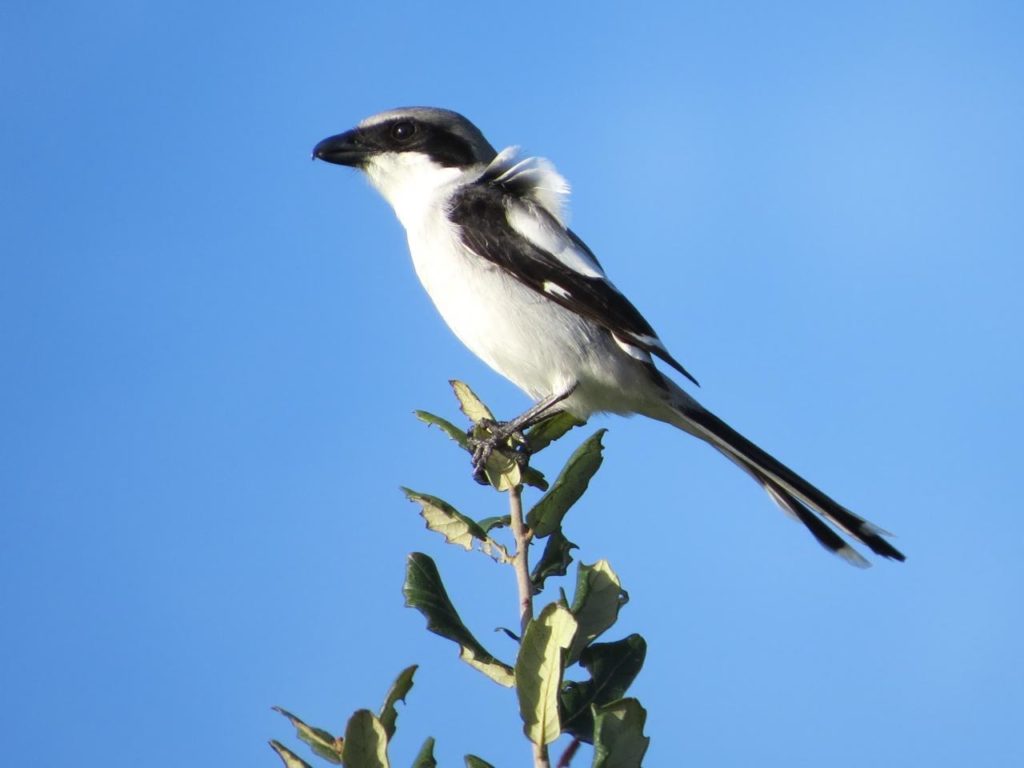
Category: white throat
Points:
column 412, row 183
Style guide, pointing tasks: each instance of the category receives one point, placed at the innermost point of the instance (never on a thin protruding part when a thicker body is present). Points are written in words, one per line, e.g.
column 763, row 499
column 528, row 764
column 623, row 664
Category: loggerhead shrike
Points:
column 489, row 242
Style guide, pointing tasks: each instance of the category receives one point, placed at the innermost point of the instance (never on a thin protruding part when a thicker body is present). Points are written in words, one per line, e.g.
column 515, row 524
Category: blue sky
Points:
column 212, row 348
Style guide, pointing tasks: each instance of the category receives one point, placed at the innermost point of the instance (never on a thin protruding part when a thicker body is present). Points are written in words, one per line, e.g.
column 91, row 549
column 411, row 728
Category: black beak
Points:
column 343, row 149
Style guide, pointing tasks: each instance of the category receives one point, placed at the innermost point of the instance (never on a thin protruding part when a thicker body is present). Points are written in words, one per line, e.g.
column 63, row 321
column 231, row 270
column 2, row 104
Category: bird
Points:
column 489, row 241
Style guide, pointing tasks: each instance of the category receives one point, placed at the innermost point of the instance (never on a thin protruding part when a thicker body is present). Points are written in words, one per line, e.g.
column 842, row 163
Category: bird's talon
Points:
column 486, row 436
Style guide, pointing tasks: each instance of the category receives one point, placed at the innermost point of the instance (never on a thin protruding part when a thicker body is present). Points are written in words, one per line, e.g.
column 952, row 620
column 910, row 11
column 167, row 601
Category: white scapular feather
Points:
column 544, row 185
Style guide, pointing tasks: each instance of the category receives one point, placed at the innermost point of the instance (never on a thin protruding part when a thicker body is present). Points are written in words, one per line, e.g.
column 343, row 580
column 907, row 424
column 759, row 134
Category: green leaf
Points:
column 539, row 670
column 456, row 527
column 366, row 743
column 552, row 428
column 424, row 591
column 456, row 434
column 322, row 743
column 572, row 482
column 613, row 667
column 472, row 761
column 490, row 523
column 470, row 404
column 534, row 477
column 596, row 604
column 399, row 689
column 289, row 758
column 554, row 561
column 619, row 740
column 425, row 758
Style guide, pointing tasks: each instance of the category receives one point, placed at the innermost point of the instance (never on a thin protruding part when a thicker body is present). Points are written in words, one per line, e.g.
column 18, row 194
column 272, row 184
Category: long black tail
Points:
column 791, row 492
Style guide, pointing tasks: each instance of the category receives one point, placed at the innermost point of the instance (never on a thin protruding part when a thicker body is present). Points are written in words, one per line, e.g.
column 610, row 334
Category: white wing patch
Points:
column 540, row 215
column 549, row 236
column 556, row 289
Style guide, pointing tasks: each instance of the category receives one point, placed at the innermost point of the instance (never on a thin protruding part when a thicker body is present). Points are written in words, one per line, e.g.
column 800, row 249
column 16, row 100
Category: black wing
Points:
column 482, row 212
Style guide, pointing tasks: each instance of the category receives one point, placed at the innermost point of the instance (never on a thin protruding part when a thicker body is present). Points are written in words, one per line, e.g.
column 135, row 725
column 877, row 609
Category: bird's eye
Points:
column 403, row 131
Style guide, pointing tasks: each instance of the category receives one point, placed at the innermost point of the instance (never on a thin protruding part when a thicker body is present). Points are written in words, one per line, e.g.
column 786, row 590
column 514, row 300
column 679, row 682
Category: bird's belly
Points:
column 538, row 345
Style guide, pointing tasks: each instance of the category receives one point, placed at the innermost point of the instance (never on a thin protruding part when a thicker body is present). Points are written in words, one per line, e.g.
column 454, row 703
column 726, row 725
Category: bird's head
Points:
column 409, row 152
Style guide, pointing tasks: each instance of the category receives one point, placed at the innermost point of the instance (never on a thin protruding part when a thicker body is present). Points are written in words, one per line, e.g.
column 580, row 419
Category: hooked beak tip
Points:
column 343, row 149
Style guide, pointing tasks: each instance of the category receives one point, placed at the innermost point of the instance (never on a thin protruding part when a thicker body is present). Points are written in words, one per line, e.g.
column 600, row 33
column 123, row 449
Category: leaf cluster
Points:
column 365, row 743
column 559, row 642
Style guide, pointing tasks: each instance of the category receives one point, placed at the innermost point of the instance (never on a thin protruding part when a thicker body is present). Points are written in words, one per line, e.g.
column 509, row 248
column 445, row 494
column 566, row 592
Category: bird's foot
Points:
column 487, row 436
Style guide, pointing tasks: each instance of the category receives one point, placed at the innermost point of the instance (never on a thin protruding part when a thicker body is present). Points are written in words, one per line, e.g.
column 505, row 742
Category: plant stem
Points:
column 521, row 564
column 521, row 561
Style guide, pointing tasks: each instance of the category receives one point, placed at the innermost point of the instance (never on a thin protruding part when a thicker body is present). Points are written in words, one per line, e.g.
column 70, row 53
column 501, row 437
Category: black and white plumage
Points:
column 489, row 242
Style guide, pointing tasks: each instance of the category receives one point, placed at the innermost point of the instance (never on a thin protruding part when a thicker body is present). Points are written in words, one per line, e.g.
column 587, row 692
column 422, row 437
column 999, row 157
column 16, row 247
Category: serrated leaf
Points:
column 398, row 691
column 539, row 668
column 457, row 528
column 320, row 741
column 366, row 743
column 456, row 434
column 546, row 515
column 554, row 561
column 289, row 758
column 472, row 761
column 424, row 591
column 469, row 403
column 551, row 429
column 442, row 517
column 425, row 758
column 619, row 740
column 596, row 603
column 613, row 667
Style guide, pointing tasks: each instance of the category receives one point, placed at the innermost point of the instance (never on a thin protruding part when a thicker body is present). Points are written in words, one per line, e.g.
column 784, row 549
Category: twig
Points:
column 521, row 560
column 521, row 564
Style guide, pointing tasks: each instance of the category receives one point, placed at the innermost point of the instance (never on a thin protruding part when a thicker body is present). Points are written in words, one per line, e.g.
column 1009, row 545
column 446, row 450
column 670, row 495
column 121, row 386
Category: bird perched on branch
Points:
column 490, row 244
